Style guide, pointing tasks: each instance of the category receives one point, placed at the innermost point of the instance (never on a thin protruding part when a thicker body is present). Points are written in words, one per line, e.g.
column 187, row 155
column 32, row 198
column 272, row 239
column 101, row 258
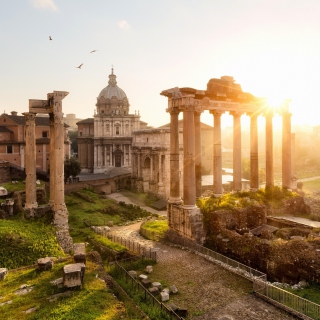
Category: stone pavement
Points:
column 307, row 222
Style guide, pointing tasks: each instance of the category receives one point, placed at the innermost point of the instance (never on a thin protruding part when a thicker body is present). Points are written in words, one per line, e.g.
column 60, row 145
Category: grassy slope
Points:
column 93, row 301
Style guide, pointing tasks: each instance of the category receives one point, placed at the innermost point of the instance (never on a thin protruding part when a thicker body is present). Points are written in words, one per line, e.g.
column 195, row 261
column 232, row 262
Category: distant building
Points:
column 151, row 158
column 12, row 140
column 71, row 120
column 105, row 140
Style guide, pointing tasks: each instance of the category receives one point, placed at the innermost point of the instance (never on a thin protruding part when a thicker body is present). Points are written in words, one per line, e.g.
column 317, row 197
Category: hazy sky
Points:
column 272, row 48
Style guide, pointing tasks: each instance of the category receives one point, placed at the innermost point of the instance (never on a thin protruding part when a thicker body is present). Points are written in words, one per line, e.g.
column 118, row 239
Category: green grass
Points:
column 20, row 186
column 24, row 241
column 93, row 301
column 154, row 229
column 311, row 186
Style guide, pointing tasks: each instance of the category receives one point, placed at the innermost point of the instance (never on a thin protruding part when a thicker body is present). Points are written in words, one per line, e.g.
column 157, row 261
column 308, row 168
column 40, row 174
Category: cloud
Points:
column 123, row 24
column 44, row 4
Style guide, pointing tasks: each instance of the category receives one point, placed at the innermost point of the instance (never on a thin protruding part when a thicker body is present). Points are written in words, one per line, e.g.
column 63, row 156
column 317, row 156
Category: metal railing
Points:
column 147, row 295
column 283, row 299
column 134, row 247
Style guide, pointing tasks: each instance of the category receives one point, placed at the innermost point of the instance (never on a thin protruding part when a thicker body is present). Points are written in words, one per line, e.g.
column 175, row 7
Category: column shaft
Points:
column 254, row 165
column 52, row 160
column 217, row 158
column 237, row 181
column 189, row 188
column 269, row 151
column 197, row 129
column 286, row 150
column 174, row 158
column 31, row 177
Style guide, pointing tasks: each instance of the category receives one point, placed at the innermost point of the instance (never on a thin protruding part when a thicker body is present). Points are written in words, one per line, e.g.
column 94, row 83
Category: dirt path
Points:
column 208, row 291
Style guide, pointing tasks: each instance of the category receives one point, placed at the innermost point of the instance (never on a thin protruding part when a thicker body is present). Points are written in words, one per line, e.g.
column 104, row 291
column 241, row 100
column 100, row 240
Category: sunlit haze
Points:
column 271, row 48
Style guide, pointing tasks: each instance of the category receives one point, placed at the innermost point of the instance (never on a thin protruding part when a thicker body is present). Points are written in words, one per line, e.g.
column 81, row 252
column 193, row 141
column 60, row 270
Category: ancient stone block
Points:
column 164, row 296
column 149, row 269
column 143, row 276
column 79, row 255
column 174, row 289
column 3, row 273
column 154, row 290
column 157, row 284
column 44, row 264
column 73, row 274
column 133, row 274
column 146, row 283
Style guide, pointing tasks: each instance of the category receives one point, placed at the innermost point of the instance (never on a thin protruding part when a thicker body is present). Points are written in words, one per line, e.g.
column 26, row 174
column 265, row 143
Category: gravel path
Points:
column 206, row 290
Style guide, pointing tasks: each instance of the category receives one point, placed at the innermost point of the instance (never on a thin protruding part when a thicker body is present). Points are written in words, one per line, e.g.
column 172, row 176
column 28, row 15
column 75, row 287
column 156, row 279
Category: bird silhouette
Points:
column 79, row 66
column 93, row 51
column 50, row 38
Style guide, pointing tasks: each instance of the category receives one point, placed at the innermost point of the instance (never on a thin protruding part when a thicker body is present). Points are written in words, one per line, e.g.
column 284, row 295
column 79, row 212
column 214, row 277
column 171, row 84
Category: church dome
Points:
column 112, row 90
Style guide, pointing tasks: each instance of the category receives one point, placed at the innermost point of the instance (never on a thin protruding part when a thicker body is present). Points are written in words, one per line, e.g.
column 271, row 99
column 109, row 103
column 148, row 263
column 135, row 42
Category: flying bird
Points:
column 79, row 66
column 50, row 38
column 93, row 51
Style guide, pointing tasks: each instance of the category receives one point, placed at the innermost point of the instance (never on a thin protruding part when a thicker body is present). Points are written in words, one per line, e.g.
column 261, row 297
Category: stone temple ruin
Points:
column 222, row 95
column 53, row 107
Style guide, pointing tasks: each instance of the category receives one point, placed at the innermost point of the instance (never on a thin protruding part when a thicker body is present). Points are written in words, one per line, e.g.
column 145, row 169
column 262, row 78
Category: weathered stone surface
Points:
column 157, row 284
column 57, row 282
column 146, row 283
column 154, row 290
column 164, row 296
column 3, row 273
column 143, row 276
column 33, row 309
column 6, row 302
column 79, row 255
column 174, row 289
column 45, row 263
column 24, row 289
column 73, row 274
column 133, row 274
column 65, row 240
column 149, row 269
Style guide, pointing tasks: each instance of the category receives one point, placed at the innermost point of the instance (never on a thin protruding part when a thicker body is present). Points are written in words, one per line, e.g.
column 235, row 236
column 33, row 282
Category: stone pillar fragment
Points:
column 254, row 165
column 31, row 177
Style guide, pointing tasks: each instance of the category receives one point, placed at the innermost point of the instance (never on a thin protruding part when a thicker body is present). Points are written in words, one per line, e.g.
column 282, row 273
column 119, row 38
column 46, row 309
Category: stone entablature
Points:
column 222, row 95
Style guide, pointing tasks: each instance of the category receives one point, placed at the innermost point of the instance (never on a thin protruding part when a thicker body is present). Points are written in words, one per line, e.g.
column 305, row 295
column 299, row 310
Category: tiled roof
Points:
column 88, row 120
column 40, row 121
column 4, row 129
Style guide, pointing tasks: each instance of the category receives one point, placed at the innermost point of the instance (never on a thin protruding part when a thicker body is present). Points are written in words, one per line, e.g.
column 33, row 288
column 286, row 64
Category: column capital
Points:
column 217, row 112
column 30, row 118
column 173, row 110
column 236, row 113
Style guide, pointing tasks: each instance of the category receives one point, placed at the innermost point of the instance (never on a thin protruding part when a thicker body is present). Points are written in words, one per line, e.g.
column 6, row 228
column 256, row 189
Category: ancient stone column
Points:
column 31, row 177
column 237, row 181
column 52, row 160
column 139, row 164
column 151, row 166
column 217, row 158
column 174, row 157
column 197, row 129
column 189, row 187
column 286, row 150
column 269, row 151
column 254, row 165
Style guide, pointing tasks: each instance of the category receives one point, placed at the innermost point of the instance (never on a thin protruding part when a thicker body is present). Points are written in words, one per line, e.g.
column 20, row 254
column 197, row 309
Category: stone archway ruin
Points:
column 53, row 107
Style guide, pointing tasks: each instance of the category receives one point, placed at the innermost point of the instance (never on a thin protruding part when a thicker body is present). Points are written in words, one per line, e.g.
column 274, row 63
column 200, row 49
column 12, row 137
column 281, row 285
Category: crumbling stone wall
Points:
column 281, row 257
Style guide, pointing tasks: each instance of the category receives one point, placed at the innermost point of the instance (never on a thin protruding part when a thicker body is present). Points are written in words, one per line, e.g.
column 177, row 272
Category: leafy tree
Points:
column 73, row 136
column 71, row 168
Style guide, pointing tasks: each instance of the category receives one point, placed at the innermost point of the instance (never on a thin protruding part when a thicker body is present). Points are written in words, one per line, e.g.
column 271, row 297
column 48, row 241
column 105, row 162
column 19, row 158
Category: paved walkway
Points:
column 120, row 197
